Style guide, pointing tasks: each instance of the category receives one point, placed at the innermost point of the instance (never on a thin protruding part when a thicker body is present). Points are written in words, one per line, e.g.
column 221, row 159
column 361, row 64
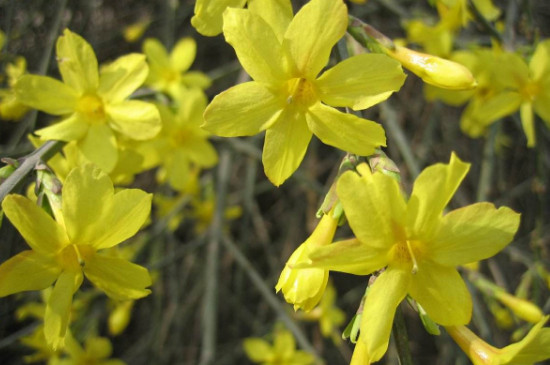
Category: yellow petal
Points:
column 177, row 170
column 69, row 129
column 256, row 45
column 473, row 233
column 374, row 207
column 243, row 110
column 196, row 79
column 183, row 54
column 284, row 344
column 99, row 146
column 542, row 106
column 276, row 13
column 120, row 78
column 540, row 62
column 58, row 308
column 285, row 145
column 483, row 111
column 345, row 131
column 156, row 54
column 208, row 15
column 527, row 122
column 86, row 195
column 46, row 94
column 201, row 152
column 432, row 190
column 25, row 271
column 361, row 81
column 256, row 349
column 349, row 256
column 313, row 32
column 77, row 62
column 442, row 293
column 136, row 119
column 383, row 297
column 118, row 278
column 41, row 231
column 124, row 215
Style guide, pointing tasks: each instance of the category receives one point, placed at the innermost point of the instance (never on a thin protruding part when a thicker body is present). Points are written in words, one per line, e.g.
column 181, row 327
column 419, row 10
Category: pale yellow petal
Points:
column 540, row 62
column 243, row 110
column 208, row 15
column 99, row 146
column 77, row 62
column 442, row 293
column 256, row 45
column 72, row 128
column 344, row 130
column 118, row 278
column 156, row 54
column 361, row 81
column 183, row 54
column 285, row 145
column 46, row 94
column 256, row 349
column 433, row 189
column 473, row 233
column 313, row 32
column 528, row 123
column 26, row 271
column 119, row 79
column 383, row 298
column 276, row 13
column 135, row 119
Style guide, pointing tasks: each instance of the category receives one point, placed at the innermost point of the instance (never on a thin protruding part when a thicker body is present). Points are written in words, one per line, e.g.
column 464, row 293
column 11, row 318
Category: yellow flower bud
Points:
column 434, row 70
column 305, row 287
column 522, row 308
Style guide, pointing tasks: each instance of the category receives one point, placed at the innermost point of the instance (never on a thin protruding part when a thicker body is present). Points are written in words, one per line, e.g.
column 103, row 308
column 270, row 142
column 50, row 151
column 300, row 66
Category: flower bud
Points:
column 305, row 287
column 522, row 308
column 434, row 70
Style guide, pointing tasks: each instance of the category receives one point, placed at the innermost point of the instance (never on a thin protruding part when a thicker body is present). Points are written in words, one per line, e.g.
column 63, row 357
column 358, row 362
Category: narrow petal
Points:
column 256, row 349
column 313, row 32
column 527, row 122
column 278, row 14
column 442, row 293
column 432, row 190
column 125, row 213
column 284, row 344
column 208, row 15
column 134, row 118
column 361, row 81
column 25, row 271
column 374, row 207
column 384, row 296
column 285, row 145
column 119, row 79
column 349, row 256
column 243, row 110
column 40, row 230
column 86, row 195
column 156, row 54
column 345, row 131
column 58, row 308
column 196, row 79
column 69, row 129
column 542, row 105
column 99, row 146
column 256, row 45
column 118, row 278
column 46, row 94
column 77, row 62
column 177, row 170
column 540, row 62
column 473, row 233
column 201, row 152
column 183, row 54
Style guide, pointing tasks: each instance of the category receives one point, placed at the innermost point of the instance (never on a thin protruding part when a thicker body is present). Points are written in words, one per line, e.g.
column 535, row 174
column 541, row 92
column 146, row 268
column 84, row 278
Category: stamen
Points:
column 415, row 264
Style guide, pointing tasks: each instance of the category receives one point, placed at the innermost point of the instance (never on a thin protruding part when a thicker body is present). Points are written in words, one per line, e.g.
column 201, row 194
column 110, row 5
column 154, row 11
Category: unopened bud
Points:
column 522, row 308
column 434, row 70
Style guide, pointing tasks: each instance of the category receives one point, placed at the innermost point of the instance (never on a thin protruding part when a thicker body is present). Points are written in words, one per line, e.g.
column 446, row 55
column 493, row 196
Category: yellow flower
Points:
column 10, row 107
column 96, row 350
column 287, row 98
column 92, row 104
column 133, row 32
column 532, row 349
column 305, row 287
column 93, row 218
column 418, row 246
column 283, row 351
column 170, row 72
column 183, row 145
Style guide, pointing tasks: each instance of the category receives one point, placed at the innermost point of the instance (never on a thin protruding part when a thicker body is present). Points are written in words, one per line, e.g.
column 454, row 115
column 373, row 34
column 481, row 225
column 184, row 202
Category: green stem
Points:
column 401, row 337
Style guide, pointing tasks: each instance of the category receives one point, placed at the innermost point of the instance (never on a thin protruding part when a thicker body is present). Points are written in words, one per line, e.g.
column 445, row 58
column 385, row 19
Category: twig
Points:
column 210, row 301
column 401, row 338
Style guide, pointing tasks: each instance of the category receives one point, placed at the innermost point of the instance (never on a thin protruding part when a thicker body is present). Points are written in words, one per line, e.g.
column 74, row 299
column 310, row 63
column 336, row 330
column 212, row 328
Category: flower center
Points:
column 73, row 256
column 530, row 90
column 179, row 137
column 300, row 93
column 91, row 106
column 406, row 253
column 170, row 76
